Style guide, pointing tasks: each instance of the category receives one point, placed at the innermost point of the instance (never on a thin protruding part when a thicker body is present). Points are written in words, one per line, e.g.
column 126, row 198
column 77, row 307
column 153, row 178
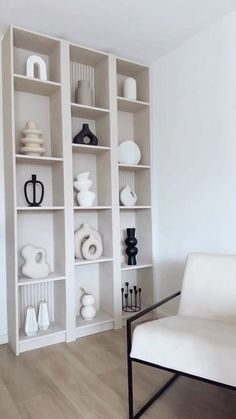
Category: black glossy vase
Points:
column 85, row 137
column 131, row 243
column 34, row 202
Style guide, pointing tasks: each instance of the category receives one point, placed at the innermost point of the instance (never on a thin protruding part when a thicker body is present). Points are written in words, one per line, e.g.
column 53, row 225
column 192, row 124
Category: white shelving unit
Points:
column 51, row 104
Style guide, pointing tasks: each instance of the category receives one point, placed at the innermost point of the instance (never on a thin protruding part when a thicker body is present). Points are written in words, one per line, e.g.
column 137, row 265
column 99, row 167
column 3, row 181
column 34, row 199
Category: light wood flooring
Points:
column 87, row 379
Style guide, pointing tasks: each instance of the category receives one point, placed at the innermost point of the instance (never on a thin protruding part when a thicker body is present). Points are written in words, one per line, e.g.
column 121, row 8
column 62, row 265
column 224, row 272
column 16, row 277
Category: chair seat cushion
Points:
column 204, row 348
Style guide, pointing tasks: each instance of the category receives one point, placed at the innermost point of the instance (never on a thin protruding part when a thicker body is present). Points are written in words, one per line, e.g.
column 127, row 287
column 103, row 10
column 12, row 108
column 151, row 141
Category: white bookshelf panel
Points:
column 27, row 43
column 100, row 127
column 100, row 220
column 141, row 221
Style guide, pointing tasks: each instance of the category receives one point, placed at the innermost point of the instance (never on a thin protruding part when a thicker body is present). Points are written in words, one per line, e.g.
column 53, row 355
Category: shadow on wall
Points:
column 169, row 280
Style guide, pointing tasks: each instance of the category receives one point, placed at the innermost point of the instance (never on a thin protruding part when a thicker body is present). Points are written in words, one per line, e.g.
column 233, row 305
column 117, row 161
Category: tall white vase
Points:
column 31, row 325
column 85, row 197
column 130, row 88
column 43, row 316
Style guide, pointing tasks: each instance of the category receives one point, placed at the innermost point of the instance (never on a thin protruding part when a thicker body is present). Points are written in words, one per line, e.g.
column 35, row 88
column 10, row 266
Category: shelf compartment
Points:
column 89, row 149
column 34, row 86
column 140, row 182
column 86, row 64
column 55, row 334
column 99, row 126
column 80, row 262
column 42, row 160
column 100, row 323
column 129, row 105
column 140, row 72
column 52, row 277
column 28, row 43
column 89, row 112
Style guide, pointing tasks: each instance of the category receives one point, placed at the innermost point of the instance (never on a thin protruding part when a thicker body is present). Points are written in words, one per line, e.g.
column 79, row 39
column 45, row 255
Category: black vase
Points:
column 34, row 202
column 85, row 136
column 131, row 243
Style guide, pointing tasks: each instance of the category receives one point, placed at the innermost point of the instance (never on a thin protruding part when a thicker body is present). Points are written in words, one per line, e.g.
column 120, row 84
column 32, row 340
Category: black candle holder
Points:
column 131, row 298
column 34, row 202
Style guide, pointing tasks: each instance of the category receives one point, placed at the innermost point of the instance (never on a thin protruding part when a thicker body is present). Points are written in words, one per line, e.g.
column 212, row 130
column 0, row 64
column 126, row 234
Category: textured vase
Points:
column 85, row 197
column 81, row 235
column 32, row 143
column 131, row 249
column 35, row 265
column 85, row 136
column 92, row 248
column 84, row 94
column 88, row 310
column 31, row 325
column 129, row 153
column 128, row 197
column 43, row 316
column 130, row 88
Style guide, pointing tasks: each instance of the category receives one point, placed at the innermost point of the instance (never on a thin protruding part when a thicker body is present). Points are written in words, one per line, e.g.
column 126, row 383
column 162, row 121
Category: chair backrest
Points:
column 209, row 287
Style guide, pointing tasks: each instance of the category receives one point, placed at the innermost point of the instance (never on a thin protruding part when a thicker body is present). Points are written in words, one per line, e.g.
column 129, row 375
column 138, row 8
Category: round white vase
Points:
column 130, row 88
column 88, row 310
column 128, row 197
column 129, row 153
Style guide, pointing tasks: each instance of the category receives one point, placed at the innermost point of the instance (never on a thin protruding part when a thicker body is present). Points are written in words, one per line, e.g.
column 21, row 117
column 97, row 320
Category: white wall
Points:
column 194, row 116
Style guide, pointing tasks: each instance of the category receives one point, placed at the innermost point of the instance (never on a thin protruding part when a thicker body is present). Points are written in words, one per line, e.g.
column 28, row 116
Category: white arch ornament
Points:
column 32, row 62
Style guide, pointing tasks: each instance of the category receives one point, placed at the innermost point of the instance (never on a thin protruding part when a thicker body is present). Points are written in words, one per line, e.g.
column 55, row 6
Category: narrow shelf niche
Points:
column 99, row 127
column 44, row 230
column 95, row 279
column 137, row 71
column 142, row 279
column 87, row 64
column 51, row 292
column 102, row 222
column 141, row 221
column 27, row 43
column 140, row 182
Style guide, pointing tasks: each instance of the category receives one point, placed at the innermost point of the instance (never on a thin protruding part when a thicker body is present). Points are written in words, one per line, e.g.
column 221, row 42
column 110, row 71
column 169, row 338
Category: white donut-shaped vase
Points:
column 92, row 248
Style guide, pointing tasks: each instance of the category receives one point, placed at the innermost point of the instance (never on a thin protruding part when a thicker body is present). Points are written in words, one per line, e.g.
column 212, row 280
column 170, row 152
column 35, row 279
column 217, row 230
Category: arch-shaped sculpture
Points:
column 34, row 61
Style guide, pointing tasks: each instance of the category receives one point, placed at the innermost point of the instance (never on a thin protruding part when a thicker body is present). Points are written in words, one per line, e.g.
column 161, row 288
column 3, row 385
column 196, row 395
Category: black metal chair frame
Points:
column 175, row 372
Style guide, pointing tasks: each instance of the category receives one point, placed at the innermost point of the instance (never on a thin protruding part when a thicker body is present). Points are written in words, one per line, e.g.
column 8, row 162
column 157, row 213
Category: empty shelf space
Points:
column 89, row 149
column 128, row 105
column 90, row 262
column 36, row 86
column 101, row 322
column 88, row 112
column 42, row 160
column 50, row 278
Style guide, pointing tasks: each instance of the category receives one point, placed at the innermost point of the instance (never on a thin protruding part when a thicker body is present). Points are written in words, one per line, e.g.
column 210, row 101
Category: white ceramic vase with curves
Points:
column 84, row 233
column 128, row 197
column 85, row 197
column 35, row 264
column 88, row 310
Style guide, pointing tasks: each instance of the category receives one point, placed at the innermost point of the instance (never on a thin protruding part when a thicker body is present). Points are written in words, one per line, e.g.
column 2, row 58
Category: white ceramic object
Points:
column 84, row 94
column 130, row 88
column 129, row 153
column 92, row 248
column 31, row 325
column 34, row 61
column 43, row 316
column 35, row 265
column 81, row 235
column 85, row 197
column 32, row 143
column 128, row 197
column 88, row 310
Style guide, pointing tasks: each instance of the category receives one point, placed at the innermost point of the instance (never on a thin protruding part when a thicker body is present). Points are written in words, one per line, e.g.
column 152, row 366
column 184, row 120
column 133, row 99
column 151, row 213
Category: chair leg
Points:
column 149, row 402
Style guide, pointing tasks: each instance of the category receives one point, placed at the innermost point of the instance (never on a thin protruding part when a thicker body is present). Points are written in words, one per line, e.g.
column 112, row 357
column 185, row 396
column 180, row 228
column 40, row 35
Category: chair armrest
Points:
column 142, row 313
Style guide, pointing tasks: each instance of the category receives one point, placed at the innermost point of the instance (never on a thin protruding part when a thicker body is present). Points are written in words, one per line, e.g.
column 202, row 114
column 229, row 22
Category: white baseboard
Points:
column 3, row 339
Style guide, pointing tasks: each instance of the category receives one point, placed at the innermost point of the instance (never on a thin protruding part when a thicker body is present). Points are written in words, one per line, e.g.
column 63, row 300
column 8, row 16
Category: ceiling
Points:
column 142, row 30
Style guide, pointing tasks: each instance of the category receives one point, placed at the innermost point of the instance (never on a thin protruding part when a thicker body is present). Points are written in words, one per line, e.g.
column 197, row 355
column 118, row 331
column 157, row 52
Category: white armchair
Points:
column 200, row 341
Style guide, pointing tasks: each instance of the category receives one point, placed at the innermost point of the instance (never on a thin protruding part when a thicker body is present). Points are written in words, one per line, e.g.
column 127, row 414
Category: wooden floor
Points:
column 87, row 379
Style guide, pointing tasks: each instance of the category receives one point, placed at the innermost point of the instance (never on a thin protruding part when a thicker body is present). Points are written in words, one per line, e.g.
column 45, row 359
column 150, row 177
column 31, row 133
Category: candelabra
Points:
column 131, row 298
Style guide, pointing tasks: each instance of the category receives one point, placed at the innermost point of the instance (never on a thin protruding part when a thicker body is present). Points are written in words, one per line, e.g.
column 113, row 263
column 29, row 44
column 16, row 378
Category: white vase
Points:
column 84, row 94
column 88, row 310
column 128, row 197
column 92, row 248
column 31, row 325
column 129, row 153
column 35, row 265
column 130, row 88
column 85, row 197
column 43, row 316
column 32, row 143
column 81, row 235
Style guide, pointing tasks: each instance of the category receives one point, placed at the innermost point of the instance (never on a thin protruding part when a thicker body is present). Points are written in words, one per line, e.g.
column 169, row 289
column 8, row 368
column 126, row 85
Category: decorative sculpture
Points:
column 43, row 316
column 128, row 197
column 88, row 310
column 35, row 265
column 33, row 63
column 131, row 298
column 31, row 325
column 84, row 94
column 85, row 136
column 131, row 243
column 88, row 243
column 85, row 197
column 129, row 153
column 32, row 143
column 34, row 202
column 130, row 88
